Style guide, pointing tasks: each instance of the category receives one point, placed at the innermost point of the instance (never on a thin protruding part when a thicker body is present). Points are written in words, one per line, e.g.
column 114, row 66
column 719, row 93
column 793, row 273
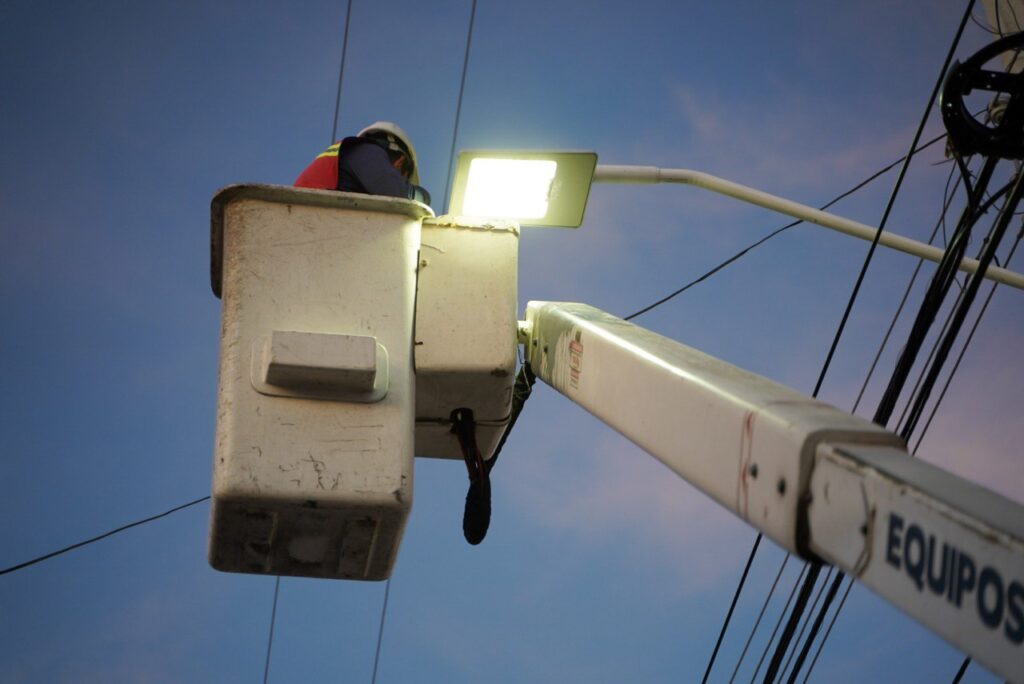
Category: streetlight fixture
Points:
column 532, row 188
column 525, row 187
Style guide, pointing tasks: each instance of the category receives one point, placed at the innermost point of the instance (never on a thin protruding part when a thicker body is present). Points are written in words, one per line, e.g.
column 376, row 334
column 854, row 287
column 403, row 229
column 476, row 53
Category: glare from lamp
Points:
column 509, row 188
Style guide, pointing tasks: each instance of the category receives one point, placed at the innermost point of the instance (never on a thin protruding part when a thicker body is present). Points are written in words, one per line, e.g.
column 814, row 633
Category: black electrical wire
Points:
column 892, row 197
column 778, row 623
column 1008, row 208
column 341, row 73
column 934, row 297
column 915, row 392
column 458, row 104
column 943, row 346
column 732, row 607
column 722, row 265
column 947, row 199
column 946, row 324
column 831, row 624
column 921, row 437
column 927, row 363
column 334, row 131
column 270, row 637
column 960, row 314
column 451, row 157
column 761, row 241
column 813, row 571
column 807, row 621
column 816, row 626
column 760, row 616
column 812, row 575
column 963, row 669
column 91, row 540
column 959, row 310
column 380, row 630
column 983, row 26
column 967, row 342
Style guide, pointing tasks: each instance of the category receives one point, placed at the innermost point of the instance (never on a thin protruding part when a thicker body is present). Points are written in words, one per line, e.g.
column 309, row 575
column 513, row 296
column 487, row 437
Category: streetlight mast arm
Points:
column 606, row 173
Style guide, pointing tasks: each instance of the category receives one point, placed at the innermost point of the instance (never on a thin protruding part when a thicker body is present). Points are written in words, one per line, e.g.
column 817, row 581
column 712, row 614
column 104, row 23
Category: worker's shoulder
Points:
column 365, row 146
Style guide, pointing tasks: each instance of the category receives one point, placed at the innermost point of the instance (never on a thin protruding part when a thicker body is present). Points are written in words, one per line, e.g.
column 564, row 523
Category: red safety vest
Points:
column 322, row 173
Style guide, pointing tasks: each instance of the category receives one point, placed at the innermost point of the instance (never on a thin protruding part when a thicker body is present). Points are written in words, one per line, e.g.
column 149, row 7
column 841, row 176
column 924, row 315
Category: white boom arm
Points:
column 820, row 482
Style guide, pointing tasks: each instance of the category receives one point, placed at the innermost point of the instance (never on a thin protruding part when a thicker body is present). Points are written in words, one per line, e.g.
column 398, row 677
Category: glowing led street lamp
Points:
column 532, row 188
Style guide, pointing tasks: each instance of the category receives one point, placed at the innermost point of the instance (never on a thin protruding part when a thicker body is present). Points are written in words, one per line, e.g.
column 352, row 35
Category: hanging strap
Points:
column 476, row 517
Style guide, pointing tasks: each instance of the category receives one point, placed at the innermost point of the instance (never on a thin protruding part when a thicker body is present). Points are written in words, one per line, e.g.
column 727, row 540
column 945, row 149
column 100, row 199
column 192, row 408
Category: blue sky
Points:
column 120, row 120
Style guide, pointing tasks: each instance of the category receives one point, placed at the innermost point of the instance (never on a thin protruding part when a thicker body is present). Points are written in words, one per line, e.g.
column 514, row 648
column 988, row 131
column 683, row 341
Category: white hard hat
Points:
column 398, row 141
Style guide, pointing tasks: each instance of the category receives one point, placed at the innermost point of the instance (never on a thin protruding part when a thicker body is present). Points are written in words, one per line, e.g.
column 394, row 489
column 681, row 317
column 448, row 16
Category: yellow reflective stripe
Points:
column 331, row 151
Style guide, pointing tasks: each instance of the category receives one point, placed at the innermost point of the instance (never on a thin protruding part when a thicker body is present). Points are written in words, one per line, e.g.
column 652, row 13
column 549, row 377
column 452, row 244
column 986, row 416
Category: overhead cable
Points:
column 812, row 574
column 760, row 615
column 97, row 538
column 451, row 157
column 341, row 74
column 458, row 102
column 778, row 623
column 732, row 606
column 775, row 232
column 946, row 201
column 960, row 357
column 892, row 197
column 380, row 630
column 716, row 269
column 920, row 438
column 270, row 637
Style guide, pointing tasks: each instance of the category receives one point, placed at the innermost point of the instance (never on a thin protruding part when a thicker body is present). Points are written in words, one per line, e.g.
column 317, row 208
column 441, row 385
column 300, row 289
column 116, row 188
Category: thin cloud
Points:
column 616, row 491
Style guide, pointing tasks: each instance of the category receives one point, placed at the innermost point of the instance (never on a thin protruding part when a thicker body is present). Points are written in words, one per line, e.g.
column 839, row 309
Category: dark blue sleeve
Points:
column 367, row 168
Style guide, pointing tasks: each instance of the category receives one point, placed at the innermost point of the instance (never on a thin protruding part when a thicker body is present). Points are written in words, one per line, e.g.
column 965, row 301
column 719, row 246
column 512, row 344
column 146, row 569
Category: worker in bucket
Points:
column 379, row 160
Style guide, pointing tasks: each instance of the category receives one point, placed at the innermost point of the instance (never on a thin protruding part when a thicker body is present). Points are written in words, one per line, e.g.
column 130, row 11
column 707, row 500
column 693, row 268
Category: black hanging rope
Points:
column 476, row 517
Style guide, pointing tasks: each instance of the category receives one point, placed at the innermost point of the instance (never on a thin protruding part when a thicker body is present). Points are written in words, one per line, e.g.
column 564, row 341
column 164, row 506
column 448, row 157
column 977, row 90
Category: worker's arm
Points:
column 366, row 168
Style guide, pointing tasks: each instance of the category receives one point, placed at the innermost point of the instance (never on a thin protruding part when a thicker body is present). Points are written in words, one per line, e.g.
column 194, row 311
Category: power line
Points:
column 967, row 342
column 832, row 622
column 334, row 130
column 778, row 623
column 803, row 628
column 732, row 606
column 946, row 202
column 810, row 579
column 963, row 668
column 719, row 267
column 946, row 325
column 91, row 540
column 969, row 293
column 451, row 157
column 921, row 437
column 761, row 241
column 458, row 104
column 892, row 198
column 760, row 615
column 812, row 575
column 817, row 625
column 341, row 73
column 270, row 637
column 947, row 199
column 380, row 630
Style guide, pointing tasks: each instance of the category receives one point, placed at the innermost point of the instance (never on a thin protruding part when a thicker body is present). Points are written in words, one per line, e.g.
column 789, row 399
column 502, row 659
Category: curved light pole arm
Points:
column 605, row 173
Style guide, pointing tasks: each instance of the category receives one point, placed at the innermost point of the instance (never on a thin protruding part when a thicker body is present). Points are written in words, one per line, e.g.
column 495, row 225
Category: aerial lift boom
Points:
column 820, row 482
